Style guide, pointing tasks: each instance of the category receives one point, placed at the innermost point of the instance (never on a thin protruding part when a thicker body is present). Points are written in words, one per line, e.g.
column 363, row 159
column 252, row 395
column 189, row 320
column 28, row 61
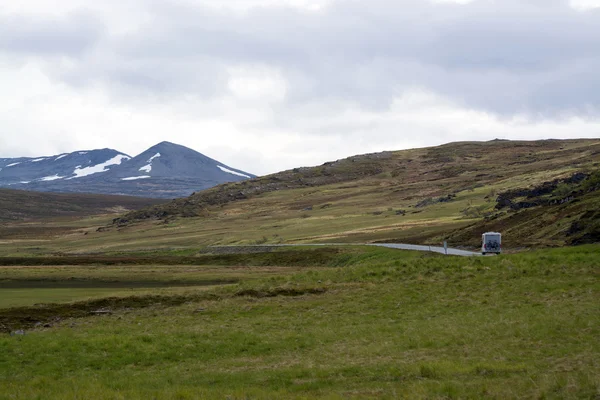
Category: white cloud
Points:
column 252, row 136
column 257, row 84
column 452, row 1
column 246, row 5
column 585, row 4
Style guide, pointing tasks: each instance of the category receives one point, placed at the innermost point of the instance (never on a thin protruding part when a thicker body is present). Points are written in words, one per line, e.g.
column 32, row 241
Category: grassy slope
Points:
column 375, row 197
column 360, row 199
column 408, row 174
column 386, row 324
column 42, row 217
column 23, row 205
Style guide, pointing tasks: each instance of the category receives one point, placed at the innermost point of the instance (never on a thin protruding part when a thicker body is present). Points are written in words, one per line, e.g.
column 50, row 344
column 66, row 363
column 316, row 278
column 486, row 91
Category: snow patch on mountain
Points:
column 231, row 172
column 133, row 178
column 148, row 167
column 61, row 156
column 94, row 169
column 12, row 165
column 51, row 178
column 38, row 160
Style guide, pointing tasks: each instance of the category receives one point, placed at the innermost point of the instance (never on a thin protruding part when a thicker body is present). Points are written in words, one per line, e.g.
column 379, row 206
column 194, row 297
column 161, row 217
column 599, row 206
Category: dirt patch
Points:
column 102, row 284
column 29, row 317
column 281, row 291
column 240, row 249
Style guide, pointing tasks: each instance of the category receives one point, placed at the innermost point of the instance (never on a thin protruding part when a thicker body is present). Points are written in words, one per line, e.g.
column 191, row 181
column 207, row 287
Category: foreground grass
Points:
column 48, row 283
column 385, row 324
column 10, row 298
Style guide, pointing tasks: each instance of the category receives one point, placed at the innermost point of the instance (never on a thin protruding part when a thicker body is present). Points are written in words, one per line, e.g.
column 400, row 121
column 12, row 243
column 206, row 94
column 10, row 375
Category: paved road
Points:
column 400, row 246
column 453, row 252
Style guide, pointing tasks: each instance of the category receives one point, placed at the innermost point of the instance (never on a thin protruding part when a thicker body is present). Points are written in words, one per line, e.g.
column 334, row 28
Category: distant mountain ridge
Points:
column 165, row 170
column 24, row 170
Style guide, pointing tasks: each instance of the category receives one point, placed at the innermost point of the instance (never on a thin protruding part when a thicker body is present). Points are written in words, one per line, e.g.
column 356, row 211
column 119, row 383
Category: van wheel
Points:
column 483, row 254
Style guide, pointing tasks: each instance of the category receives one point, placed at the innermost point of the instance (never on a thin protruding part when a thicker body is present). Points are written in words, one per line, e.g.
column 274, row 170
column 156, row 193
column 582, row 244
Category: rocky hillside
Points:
column 560, row 211
column 419, row 174
column 537, row 193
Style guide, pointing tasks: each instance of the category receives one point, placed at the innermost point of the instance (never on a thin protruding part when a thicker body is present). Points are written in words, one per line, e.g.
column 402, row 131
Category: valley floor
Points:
column 352, row 322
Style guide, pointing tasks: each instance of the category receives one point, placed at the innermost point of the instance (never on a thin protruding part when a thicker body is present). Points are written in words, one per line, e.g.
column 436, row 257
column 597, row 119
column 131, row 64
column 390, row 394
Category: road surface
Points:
column 399, row 246
column 451, row 251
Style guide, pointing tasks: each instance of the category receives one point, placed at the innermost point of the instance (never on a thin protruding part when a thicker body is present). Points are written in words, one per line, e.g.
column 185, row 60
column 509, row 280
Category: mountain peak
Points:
column 164, row 170
column 169, row 159
column 166, row 145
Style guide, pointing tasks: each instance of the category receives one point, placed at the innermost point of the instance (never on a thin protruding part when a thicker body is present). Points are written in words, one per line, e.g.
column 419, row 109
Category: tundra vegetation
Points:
column 102, row 304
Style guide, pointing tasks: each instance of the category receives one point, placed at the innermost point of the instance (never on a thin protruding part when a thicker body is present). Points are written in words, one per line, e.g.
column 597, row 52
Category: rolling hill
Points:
column 414, row 174
column 19, row 205
column 38, row 217
column 537, row 193
column 419, row 195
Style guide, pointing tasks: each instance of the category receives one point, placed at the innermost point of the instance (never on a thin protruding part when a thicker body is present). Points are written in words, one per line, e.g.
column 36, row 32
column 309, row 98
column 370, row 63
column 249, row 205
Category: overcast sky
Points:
column 268, row 85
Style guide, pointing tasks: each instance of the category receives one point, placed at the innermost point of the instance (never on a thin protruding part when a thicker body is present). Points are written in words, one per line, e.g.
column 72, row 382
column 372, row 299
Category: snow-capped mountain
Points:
column 15, row 171
column 172, row 160
column 165, row 170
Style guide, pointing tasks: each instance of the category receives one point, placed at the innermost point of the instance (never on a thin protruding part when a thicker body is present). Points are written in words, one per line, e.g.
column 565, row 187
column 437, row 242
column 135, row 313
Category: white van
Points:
column 491, row 242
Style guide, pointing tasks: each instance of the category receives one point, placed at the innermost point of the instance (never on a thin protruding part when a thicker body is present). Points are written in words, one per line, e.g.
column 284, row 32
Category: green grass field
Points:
column 349, row 322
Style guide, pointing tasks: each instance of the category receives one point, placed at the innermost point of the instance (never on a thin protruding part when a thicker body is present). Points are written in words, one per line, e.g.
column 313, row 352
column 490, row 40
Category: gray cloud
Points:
column 504, row 57
column 43, row 36
column 501, row 56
